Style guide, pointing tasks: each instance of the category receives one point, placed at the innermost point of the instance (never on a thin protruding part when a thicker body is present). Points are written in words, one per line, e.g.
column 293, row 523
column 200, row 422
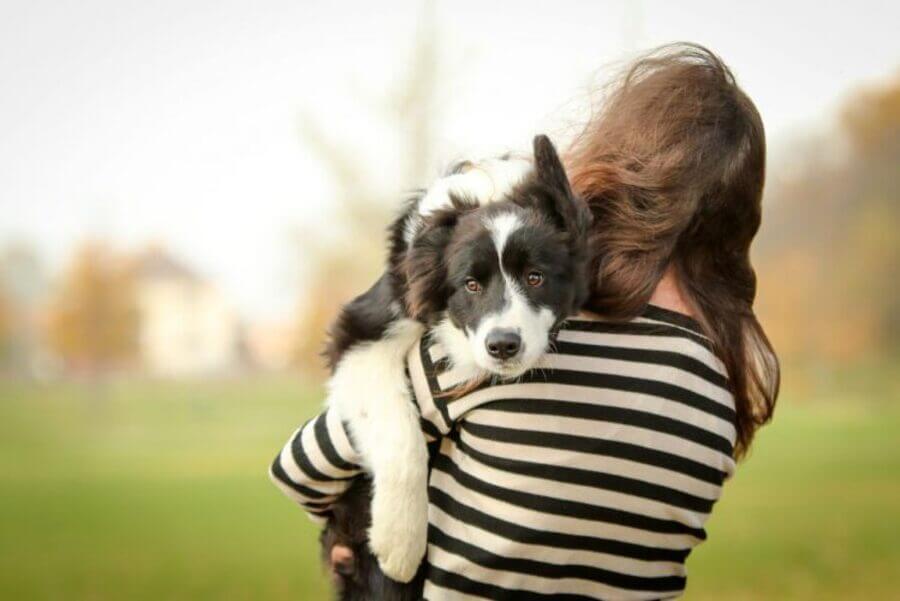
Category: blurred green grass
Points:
column 150, row 490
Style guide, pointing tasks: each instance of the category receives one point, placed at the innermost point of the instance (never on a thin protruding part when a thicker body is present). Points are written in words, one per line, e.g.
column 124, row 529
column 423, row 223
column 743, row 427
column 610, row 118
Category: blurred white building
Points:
column 187, row 327
column 271, row 345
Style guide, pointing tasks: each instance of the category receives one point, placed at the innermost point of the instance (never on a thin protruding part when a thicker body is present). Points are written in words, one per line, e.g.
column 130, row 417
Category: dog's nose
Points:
column 503, row 344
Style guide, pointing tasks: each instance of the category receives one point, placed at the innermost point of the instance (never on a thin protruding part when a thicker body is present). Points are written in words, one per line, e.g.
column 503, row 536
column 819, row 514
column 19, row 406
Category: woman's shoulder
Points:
column 656, row 323
column 657, row 336
column 660, row 359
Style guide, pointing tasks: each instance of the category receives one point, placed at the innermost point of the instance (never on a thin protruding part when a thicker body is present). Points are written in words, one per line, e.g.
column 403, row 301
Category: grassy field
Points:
column 159, row 491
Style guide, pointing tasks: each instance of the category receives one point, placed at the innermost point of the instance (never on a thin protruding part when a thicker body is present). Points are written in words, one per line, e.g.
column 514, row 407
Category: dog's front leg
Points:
column 370, row 392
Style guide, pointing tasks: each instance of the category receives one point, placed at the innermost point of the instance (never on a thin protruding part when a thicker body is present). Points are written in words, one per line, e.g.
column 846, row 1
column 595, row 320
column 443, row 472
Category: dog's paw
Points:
column 399, row 535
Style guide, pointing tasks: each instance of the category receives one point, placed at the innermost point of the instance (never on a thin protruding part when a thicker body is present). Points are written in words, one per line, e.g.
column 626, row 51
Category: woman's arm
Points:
column 317, row 465
column 319, row 462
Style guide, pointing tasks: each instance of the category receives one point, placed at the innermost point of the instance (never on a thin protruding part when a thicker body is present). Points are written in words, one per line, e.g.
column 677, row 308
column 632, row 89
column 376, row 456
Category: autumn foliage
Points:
column 829, row 253
column 92, row 322
column 6, row 318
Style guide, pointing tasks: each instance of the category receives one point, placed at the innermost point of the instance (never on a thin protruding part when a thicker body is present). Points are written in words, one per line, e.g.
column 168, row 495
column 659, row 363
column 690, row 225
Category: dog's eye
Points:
column 472, row 285
column 535, row 278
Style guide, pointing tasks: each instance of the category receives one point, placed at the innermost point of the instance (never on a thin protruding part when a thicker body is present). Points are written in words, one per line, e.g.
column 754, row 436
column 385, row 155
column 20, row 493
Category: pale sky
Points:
column 176, row 121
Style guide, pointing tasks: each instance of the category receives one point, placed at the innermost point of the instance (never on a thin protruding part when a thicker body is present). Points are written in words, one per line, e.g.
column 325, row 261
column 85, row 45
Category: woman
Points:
column 593, row 478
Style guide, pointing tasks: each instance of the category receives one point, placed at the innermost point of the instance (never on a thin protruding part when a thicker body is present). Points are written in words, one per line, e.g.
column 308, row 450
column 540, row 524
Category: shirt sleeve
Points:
column 319, row 462
column 425, row 363
column 317, row 465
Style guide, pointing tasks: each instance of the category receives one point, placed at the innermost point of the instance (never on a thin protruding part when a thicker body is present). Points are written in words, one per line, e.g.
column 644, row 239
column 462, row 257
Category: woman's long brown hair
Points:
column 673, row 167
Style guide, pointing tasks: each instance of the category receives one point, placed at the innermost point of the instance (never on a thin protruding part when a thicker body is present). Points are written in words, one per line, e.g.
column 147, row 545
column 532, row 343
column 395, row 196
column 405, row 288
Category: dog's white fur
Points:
column 484, row 182
column 457, row 345
column 370, row 392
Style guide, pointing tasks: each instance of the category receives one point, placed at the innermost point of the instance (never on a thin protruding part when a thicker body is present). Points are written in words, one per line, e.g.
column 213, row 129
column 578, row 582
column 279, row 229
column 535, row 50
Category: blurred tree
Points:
column 22, row 290
column 6, row 326
column 872, row 121
column 92, row 320
column 351, row 256
column 829, row 255
column 22, row 273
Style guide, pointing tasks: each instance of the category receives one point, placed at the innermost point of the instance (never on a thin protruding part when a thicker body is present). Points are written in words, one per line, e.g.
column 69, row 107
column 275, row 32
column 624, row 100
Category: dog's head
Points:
column 501, row 277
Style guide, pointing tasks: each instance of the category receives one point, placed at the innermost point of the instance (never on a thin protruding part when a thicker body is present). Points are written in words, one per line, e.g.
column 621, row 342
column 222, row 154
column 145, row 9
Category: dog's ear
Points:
column 548, row 167
column 425, row 266
column 570, row 212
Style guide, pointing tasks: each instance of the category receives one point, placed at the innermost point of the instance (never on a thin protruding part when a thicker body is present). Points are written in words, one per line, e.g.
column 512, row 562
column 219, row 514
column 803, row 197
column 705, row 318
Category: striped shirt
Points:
column 590, row 477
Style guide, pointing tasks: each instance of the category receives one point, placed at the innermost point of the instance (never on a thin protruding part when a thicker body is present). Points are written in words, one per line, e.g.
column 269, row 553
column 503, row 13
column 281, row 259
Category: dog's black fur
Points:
column 360, row 578
column 419, row 283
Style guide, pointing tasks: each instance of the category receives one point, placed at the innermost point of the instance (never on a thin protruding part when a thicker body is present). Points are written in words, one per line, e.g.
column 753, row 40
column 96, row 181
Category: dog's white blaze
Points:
column 532, row 323
column 501, row 228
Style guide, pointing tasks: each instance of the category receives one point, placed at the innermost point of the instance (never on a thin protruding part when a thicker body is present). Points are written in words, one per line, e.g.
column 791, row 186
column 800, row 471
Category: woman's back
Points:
column 591, row 476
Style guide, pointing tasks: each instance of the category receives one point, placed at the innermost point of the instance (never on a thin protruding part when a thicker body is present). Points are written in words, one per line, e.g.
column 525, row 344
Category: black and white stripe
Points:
column 591, row 476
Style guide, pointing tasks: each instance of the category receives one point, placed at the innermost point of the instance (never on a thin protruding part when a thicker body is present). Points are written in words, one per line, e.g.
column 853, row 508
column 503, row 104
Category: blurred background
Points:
column 189, row 190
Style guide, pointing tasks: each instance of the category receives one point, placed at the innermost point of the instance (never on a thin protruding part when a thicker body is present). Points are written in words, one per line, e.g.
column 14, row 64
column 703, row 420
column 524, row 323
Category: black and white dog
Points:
column 492, row 259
